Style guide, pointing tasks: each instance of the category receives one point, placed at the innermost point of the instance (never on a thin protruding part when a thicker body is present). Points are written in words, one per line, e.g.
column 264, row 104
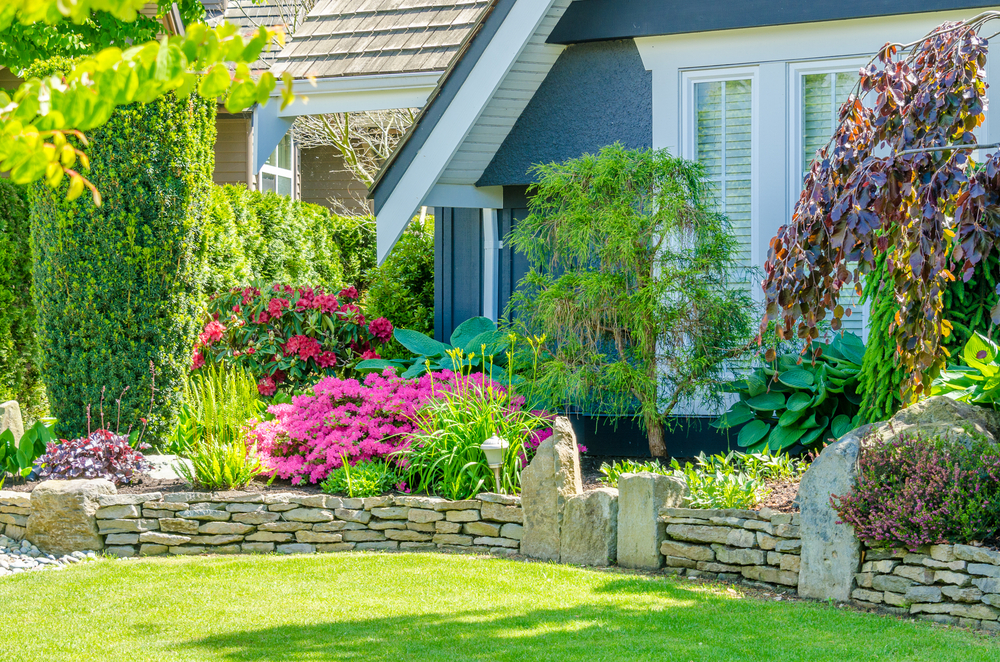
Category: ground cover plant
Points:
column 364, row 479
column 914, row 490
column 101, row 454
column 432, row 607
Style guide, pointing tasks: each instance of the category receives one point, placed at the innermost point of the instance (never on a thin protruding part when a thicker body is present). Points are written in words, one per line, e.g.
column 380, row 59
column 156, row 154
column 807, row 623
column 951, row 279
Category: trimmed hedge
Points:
column 118, row 287
column 18, row 343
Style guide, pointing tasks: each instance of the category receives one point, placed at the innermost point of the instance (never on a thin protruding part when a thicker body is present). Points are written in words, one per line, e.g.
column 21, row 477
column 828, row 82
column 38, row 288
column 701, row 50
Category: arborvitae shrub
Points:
column 118, row 287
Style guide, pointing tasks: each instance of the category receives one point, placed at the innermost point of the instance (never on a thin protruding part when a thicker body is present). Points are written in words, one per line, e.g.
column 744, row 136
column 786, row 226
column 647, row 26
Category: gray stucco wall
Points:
column 595, row 94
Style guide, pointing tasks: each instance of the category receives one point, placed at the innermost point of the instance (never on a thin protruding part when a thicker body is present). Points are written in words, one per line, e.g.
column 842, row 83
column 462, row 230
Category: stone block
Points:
column 831, row 554
column 481, row 529
column 158, row 538
column 423, row 527
column 941, row 619
column 393, row 512
column 589, row 534
column 187, row 550
column 984, row 570
column 452, row 527
column 268, row 536
column 767, row 542
column 867, row 596
column 502, row 499
column 496, row 512
column 376, row 545
column 774, row 558
column 237, row 496
column 364, row 536
column 215, row 528
column 407, row 535
column 207, row 505
column 970, row 594
column 696, row 533
column 990, row 599
column 282, row 507
column 325, row 527
column 349, row 515
column 106, row 526
column 923, row 594
column 292, row 527
column 779, row 519
column 296, row 548
column 352, row 504
column 895, row 599
column 791, row 563
column 706, row 566
column 10, row 419
column 757, row 525
column 165, row 505
column 257, row 547
column 976, row 554
column 770, row 575
column 864, row 579
column 255, row 518
column 956, row 578
column 176, row 525
column 105, row 500
column 452, row 539
column 277, row 499
column 687, row 551
column 149, row 513
column 982, row 612
column 727, row 521
column 787, row 531
column 552, row 477
column 468, row 504
column 16, row 520
column 204, row 515
column 335, row 547
column 187, row 497
column 122, row 551
column 378, row 502
column 512, row 530
column 121, row 539
column 741, row 538
column 382, row 525
column 987, row 584
column 679, row 562
column 323, row 501
column 314, row 537
column 893, row 583
column 246, row 508
column 150, row 549
column 640, row 498
column 423, row 516
column 918, row 574
column 943, row 553
column 217, row 540
column 309, row 515
column 63, row 516
column 496, row 542
column 731, row 556
column 954, row 566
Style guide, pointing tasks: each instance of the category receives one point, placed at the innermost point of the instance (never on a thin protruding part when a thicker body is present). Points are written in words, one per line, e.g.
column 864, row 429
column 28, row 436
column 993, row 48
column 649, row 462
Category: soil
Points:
column 782, row 496
column 147, row 485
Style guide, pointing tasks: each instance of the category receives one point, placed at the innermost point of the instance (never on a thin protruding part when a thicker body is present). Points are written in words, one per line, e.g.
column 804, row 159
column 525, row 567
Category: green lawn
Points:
column 401, row 607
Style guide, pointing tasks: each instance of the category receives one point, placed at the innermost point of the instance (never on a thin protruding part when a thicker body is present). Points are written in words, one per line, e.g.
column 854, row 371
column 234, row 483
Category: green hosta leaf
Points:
column 853, row 396
column 788, row 417
column 376, row 365
column 782, row 437
column 981, row 353
column 737, row 415
column 840, row 426
column 852, row 348
column 799, row 378
column 420, row 344
column 414, row 370
column 752, row 432
column 767, row 402
column 469, row 329
column 812, row 436
column 798, row 401
column 756, row 385
column 495, row 341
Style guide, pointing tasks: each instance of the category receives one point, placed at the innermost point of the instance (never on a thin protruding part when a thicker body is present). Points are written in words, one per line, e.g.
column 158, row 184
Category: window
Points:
column 720, row 134
column 823, row 93
column 276, row 174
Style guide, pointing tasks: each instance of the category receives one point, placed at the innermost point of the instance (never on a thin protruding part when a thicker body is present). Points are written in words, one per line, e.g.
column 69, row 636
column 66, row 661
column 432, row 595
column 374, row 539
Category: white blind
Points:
column 723, row 112
column 822, row 97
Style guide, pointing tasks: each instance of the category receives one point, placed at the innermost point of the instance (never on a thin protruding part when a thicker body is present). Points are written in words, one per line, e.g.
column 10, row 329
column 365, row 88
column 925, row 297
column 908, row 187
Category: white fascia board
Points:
column 351, row 94
column 268, row 130
column 464, row 195
column 457, row 120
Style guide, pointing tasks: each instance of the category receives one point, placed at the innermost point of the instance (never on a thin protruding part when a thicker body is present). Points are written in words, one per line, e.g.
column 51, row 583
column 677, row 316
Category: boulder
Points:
column 640, row 533
column 940, row 416
column 590, row 528
column 10, row 419
column 63, row 515
column 164, row 467
column 830, row 552
column 546, row 484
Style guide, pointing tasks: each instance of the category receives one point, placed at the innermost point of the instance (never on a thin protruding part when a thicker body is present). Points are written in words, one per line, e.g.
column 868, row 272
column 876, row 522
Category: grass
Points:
column 429, row 607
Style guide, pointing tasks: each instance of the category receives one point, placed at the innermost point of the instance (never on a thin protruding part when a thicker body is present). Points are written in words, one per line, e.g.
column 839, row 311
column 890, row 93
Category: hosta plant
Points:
column 364, row 479
column 287, row 336
column 799, row 401
column 18, row 459
column 978, row 381
column 102, row 454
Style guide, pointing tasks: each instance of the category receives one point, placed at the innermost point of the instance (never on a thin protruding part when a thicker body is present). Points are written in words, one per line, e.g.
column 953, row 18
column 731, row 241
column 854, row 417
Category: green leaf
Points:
column 756, row 385
column 798, row 401
column 789, row 417
column 215, row 82
column 812, row 436
column 420, row 344
column 752, row 432
column 840, row 426
column 852, row 348
column 767, row 402
column 782, row 437
column 737, row 415
column 376, row 365
column 469, row 329
column 797, row 378
column 495, row 342
column 414, row 370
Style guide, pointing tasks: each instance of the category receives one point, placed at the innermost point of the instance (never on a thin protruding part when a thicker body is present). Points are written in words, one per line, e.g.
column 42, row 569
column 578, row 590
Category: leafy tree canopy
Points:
column 898, row 179
column 42, row 123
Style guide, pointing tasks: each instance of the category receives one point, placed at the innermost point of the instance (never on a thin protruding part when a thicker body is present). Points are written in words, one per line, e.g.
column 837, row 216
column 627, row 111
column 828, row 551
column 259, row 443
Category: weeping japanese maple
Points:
column 897, row 178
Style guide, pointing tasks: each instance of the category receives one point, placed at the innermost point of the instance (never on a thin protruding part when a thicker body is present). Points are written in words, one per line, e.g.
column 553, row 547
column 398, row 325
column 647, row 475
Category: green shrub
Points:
column 117, row 286
column 364, row 479
column 219, row 402
column 402, row 289
column 356, row 240
column 612, row 472
column 19, row 377
column 221, row 465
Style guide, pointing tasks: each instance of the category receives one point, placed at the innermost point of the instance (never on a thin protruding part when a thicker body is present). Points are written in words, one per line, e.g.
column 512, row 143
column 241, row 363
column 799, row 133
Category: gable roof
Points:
column 368, row 37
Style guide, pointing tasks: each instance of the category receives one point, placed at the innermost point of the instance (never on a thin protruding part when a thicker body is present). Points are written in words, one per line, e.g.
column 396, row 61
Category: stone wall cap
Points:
column 502, row 499
column 427, row 502
column 18, row 499
column 126, row 499
column 708, row 513
column 187, row 497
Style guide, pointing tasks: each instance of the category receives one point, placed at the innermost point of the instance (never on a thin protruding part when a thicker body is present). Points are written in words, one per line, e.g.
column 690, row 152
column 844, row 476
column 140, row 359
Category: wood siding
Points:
column 232, row 149
column 458, row 268
column 324, row 177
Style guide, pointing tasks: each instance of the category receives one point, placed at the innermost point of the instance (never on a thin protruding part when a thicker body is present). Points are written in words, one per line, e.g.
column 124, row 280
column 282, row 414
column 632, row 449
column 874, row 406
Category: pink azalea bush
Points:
column 353, row 420
column 287, row 335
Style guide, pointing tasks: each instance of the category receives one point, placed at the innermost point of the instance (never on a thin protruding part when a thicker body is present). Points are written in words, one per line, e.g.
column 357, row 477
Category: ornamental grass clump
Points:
column 914, row 490
column 364, row 479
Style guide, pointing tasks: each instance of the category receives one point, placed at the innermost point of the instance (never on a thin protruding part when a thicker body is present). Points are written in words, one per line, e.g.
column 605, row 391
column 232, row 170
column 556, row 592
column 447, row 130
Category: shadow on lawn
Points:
column 665, row 622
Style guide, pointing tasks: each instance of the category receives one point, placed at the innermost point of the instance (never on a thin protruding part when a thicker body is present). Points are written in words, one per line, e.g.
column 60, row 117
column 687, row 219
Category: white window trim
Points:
column 689, row 126
column 281, row 172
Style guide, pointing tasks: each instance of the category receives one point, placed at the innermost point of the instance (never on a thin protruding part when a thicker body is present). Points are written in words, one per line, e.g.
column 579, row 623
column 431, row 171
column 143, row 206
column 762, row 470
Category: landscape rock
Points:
column 63, row 515
column 10, row 419
column 589, row 533
column 546, row 484
column 640, row 533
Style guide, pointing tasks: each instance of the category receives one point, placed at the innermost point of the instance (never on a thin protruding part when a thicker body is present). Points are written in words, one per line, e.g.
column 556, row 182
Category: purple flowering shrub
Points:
column 102, row 454
column 912, row 491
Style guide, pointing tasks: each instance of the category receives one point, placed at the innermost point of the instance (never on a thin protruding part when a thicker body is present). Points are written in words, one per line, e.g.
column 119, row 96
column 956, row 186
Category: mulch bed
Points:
column 782, row 496
column 147, row 485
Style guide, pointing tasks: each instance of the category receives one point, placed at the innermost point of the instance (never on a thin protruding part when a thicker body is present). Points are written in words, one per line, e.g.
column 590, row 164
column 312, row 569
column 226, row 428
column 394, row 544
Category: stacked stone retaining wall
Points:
column 235, row 523
column 952, row 584
column 15, row 507
column 759, row 546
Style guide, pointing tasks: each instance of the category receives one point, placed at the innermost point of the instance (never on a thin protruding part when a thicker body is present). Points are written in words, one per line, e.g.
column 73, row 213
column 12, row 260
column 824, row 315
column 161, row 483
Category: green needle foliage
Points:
column 631, row 281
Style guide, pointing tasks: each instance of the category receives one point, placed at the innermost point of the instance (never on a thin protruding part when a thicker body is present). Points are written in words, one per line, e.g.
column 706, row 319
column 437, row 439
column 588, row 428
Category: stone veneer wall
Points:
column 234, row 523
column 14, row 510
column 760, row 546
column 953, row 584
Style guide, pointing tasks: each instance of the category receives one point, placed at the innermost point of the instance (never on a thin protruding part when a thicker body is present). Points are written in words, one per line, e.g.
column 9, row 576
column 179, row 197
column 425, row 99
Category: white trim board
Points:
column 457, row 120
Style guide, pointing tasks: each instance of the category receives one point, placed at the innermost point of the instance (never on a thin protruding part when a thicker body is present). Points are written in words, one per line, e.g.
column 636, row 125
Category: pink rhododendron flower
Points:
column 326, row 360
column 381, row 328
column 304, row 346
column 266, row 387
column 370, row 355
column 212, row 333
column 262, row 318
column 275, row 306
column 197, row 359
column 349, row 293
column 326, row 303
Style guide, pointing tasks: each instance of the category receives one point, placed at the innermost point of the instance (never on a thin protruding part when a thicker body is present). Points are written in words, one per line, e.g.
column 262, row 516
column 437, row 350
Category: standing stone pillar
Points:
column 552, row 477
column 590, row 528
column 831, row 552
column 640, row 533
column 10, row 419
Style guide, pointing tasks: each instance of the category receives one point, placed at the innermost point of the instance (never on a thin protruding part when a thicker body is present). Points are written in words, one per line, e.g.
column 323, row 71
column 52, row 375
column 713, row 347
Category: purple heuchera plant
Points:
column 102, row 454
column 913, row 491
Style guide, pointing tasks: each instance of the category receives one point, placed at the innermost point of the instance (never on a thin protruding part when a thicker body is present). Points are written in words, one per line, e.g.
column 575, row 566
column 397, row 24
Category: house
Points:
column 750, row 88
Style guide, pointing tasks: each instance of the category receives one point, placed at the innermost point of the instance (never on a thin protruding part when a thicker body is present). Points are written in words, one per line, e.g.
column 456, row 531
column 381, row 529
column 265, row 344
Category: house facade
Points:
column 750, row 89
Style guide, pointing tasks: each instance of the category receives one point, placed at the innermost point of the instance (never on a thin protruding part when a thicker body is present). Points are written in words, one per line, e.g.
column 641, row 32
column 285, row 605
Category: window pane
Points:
column 284, row 186
column 285, row 152
column 267, row 182
column 723, row 115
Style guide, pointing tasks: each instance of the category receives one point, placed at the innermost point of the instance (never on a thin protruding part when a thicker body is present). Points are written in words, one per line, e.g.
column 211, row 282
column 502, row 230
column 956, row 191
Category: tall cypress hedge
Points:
column 18, row 344
column 117, row 287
